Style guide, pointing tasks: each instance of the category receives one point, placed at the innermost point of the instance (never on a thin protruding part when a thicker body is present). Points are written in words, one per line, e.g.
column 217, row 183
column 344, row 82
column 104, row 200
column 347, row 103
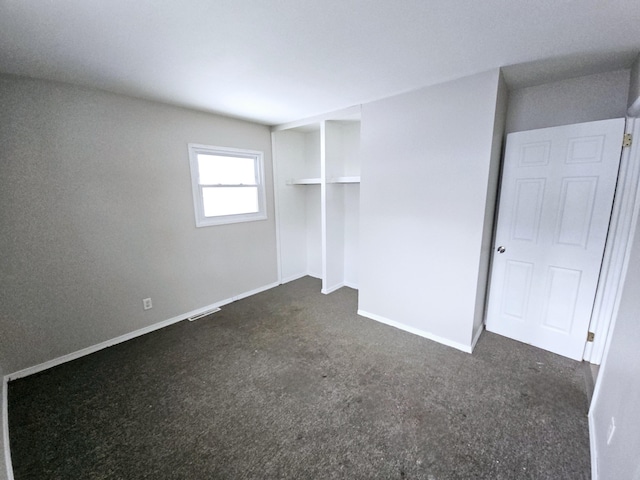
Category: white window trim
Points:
column 257, row 156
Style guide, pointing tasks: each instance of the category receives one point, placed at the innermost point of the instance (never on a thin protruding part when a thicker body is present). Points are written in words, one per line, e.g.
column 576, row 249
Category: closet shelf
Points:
column 304, row 181
column 352, row 179
column 317, row 181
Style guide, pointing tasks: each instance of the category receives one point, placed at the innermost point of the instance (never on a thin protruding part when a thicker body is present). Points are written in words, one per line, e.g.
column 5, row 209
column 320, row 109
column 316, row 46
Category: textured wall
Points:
column 426, row 167
column 97, row 214
column 584, row 99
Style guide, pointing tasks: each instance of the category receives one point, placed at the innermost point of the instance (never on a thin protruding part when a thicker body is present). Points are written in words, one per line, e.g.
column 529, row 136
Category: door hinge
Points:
column 627, row 140
column 590, row 336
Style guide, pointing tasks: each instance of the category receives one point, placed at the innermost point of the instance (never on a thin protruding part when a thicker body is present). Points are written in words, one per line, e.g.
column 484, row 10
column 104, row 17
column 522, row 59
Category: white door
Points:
column 555, row 204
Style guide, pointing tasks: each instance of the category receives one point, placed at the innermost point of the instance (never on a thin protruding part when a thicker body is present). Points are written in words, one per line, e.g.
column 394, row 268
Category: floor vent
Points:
column 203, row 314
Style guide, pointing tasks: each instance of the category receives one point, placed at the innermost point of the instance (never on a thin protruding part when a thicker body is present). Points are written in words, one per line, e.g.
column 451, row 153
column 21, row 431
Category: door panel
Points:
column 528, row 209
column 555, row 202
column 563, row 285
column 516, row 289
column 575, row 211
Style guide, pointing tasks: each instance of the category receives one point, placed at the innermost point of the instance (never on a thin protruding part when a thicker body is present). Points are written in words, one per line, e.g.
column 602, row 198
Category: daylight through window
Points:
column 228, row 185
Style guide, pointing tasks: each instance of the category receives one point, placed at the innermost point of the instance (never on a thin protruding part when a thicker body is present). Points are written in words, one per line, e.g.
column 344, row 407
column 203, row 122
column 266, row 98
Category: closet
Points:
column 317, row 186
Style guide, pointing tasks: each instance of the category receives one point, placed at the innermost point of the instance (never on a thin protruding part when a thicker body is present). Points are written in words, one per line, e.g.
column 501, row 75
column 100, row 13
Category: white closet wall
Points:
column 333, row 209
column 317, row 184
column 313, row 222
column 342, row 165
column 351, row 165
column 298, row 206
column 351, row 230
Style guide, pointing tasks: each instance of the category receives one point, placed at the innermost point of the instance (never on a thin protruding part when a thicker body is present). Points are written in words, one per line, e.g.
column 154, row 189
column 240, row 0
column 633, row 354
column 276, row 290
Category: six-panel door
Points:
column 555, row 204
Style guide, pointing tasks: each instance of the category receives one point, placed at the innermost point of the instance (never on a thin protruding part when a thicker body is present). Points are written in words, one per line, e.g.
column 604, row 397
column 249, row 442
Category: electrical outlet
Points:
column 146, row 303
column 612, row 430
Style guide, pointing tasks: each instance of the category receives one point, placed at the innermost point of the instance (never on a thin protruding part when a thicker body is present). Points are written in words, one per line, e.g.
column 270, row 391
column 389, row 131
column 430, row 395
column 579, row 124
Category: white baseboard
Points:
column 332, row 289
column 291, row 278
column 338, row 286
column 351, row 285
column 5, row 428
column 254, row 291
column 416, row 331
column 476, row 336
column 297, row 276
column 128, row 336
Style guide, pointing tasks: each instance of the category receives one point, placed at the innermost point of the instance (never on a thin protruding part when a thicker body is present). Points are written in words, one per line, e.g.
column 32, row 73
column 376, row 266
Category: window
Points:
column 228, row 185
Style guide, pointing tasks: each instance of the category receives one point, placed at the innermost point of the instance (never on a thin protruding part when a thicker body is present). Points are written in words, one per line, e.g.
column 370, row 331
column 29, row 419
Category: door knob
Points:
column 501, row 249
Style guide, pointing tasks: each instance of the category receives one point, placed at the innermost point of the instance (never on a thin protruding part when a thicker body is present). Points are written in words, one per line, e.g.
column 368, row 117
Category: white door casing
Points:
column 555, row 204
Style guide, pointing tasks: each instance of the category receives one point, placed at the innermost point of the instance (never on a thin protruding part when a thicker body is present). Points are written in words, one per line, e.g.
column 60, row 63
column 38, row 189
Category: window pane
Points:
column 218, row 169
column 229, row 200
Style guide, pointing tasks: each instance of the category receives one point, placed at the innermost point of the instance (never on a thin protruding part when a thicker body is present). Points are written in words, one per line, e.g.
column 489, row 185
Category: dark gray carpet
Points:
column 292, row 384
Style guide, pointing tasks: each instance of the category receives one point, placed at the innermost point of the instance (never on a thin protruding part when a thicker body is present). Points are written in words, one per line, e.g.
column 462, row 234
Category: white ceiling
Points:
column 275, row 61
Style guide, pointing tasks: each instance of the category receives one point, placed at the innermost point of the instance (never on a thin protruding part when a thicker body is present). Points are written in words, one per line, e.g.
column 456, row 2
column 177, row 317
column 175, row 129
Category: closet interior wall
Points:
column 317, row 184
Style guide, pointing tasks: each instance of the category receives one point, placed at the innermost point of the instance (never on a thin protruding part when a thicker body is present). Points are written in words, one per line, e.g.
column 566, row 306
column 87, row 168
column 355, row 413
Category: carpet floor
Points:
column 292, row 384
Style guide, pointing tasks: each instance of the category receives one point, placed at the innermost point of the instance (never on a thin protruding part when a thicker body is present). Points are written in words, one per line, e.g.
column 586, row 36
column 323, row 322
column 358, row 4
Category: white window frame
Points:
column 196, row 187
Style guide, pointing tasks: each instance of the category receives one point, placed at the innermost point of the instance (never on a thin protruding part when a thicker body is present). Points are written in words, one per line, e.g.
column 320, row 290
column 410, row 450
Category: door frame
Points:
column 626, row 206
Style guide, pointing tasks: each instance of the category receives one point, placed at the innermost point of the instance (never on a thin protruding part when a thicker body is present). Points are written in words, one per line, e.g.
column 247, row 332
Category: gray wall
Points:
column 426, row 167
column 97, row 214
column 634, row 89
column 618, row 394
column 583, row 99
